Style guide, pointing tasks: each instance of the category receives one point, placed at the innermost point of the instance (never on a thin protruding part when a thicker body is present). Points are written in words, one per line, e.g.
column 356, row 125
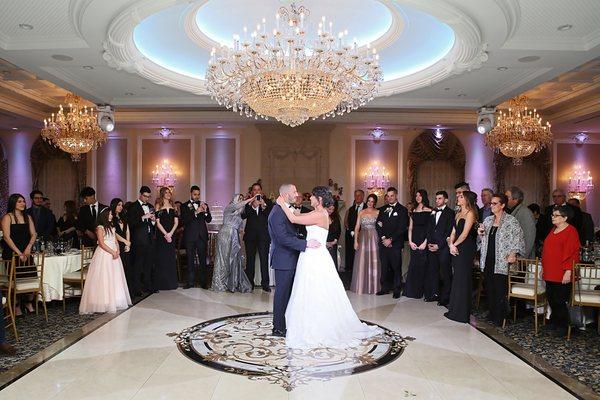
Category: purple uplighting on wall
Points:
column 220, row 170
column 479, row 167
column 111, row 174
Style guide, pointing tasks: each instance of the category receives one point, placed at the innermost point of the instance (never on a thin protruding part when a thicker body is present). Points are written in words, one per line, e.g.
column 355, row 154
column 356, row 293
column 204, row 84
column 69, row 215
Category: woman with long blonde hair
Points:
column 166, row 253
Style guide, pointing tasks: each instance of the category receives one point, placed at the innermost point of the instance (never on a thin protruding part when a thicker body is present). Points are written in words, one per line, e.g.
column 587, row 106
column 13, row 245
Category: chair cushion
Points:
column 74, row 276
column 588, row 296
column 28, row 284
column 524, row 289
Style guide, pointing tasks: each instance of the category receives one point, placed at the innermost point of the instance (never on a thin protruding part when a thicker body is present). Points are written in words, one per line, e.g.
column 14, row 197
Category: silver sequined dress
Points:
column 229, row 274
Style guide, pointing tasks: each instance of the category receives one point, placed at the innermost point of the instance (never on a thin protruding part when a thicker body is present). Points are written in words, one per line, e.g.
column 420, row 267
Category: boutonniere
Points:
column 380, row 224
column 433, row 212
column 190, row 206
column 395, row 214
column 389, row 209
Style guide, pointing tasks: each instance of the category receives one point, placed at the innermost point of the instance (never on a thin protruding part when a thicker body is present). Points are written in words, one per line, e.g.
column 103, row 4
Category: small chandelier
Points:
column 580, row 183
column 76, row 131
column 164, row 175
column 281, row 76
column 376, row 179
column 519, row 131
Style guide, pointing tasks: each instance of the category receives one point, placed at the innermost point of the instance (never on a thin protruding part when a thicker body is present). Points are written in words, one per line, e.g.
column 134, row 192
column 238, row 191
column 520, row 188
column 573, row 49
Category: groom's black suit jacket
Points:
column 285, row 244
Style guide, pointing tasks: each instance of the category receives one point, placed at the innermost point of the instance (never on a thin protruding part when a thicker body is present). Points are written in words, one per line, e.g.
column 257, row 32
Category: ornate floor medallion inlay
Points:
column 241, row 344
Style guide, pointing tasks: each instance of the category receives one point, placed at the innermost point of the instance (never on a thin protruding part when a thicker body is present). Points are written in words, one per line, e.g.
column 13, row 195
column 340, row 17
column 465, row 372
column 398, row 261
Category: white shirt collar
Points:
column 95, row 204
column 393, row 205
column 142, row 203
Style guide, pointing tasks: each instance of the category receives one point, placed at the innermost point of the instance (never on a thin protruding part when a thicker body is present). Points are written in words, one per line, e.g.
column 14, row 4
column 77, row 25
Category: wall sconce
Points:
column 580, row 183
column 165, row 133
column 377, row 134
column 581, row 138
column 164, row 175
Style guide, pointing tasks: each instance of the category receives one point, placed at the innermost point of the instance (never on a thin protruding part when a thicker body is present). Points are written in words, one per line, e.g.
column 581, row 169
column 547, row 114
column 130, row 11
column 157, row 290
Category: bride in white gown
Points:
column 319, row 313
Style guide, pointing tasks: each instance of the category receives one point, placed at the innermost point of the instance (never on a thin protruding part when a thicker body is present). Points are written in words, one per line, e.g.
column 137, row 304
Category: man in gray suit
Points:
column 525, row 218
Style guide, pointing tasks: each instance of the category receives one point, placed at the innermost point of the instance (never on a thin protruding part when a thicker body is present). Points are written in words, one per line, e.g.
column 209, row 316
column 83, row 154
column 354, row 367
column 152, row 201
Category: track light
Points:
column 106, row 117
column 485, row 119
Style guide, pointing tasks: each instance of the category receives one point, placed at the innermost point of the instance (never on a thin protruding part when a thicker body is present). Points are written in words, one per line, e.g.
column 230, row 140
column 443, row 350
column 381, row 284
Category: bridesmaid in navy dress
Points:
column 417, row 239
column 463, row 245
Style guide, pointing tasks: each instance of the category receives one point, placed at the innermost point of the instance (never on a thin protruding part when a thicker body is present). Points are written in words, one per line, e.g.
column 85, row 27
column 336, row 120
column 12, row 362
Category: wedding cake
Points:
column 216, row 211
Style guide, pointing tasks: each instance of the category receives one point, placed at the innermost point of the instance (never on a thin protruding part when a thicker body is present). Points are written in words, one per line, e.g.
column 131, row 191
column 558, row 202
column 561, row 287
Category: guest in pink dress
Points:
column 105, row 287
column 365, row 277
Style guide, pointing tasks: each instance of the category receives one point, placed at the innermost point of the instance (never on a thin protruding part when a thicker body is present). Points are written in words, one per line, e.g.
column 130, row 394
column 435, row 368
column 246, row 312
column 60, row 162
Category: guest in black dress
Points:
column 123, row 235
column 417, row 240
column 66, row 226
column 335, row 231
column 463, row 245
column 18, row 236
column 166, row 253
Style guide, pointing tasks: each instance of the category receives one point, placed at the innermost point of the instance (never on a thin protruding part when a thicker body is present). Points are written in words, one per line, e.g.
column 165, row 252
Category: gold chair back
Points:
column 7, row 282
column 29, row 278
column 525, row 282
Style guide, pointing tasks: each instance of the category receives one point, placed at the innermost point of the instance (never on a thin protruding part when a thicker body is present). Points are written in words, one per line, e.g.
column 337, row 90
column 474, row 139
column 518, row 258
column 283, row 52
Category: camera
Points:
column 258, row 197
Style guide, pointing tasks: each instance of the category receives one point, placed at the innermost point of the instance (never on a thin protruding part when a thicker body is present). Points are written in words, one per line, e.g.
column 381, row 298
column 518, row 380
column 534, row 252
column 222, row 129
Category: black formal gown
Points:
column 415, row 280
column 459, row 308
column 166, row 254
column 20, row 235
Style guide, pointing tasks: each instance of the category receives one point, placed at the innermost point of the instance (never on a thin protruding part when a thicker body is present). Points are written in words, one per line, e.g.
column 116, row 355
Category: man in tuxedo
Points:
column 350, row 224
column 438, row 255
column 298, row 207
column 88, row 215
column 392, row 227
column 256, row 235
column 195, row 214
column 43, row 219
column 284, row 256
column 142, row 221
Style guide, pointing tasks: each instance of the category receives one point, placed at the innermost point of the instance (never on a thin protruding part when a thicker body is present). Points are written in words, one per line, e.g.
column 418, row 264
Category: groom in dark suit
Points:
column 285, row 249
column 392, row 226
column 88, row 216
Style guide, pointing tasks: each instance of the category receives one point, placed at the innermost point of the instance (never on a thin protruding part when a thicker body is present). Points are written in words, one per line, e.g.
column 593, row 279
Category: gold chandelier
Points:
column 519, row 131
column 279, row 75
column 75, row 132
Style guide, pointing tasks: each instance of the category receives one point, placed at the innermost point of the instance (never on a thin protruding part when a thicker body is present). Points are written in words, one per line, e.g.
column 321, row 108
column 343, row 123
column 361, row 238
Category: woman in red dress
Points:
column 560, row 251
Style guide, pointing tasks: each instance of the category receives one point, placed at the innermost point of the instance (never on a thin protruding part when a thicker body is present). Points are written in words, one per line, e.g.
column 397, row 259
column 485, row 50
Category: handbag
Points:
column 576, row 318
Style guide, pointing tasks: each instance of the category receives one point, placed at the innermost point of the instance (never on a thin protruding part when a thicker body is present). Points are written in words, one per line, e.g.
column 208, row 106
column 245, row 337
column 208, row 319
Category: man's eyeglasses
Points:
column 556, row 215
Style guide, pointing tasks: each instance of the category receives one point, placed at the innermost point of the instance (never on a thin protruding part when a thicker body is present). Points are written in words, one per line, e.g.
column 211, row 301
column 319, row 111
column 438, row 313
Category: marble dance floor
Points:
column 134, row 356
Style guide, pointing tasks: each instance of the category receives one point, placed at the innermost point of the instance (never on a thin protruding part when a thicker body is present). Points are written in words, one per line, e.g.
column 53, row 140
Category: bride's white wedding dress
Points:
column 319, row 313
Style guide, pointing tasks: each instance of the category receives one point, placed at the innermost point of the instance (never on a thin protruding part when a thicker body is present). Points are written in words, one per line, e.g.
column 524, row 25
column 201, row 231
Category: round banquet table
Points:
column 55, row 267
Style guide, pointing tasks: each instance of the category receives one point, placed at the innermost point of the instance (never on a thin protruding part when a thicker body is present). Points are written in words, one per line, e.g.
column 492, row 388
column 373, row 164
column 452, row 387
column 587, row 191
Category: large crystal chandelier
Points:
column 580, row 183
column 281, row 75
column 75, row 131
column 519, row 131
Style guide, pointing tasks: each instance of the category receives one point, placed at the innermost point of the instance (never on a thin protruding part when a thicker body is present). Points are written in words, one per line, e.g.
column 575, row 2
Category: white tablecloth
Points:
column 54, row 269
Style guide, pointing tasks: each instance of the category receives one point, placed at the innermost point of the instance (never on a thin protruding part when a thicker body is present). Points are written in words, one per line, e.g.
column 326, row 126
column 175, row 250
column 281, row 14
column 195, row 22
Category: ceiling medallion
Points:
column 281, row 76
column 519, row 131
column 76, row 131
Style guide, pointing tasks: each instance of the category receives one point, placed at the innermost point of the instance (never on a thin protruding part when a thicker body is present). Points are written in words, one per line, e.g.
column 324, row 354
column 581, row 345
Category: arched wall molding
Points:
column 541, row 160
column 42, row 152
column 425, row 148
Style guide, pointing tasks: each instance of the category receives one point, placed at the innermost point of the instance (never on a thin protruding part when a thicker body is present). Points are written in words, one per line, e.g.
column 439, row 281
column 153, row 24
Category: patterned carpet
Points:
column 36, row 334
column 579, row 357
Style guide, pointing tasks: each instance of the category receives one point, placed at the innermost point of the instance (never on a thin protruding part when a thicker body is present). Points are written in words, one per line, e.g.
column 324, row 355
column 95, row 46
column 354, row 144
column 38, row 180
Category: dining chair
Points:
column 29, row 279
column 76, row 280
column 585, row 281
column 525, row 283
